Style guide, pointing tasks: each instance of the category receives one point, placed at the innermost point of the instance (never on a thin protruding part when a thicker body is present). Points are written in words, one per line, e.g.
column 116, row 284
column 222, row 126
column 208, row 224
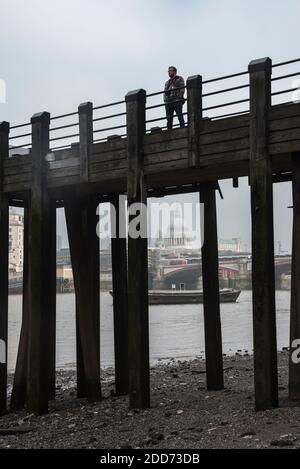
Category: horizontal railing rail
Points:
column 57, row 130
column 283, row 87
column 285, row 84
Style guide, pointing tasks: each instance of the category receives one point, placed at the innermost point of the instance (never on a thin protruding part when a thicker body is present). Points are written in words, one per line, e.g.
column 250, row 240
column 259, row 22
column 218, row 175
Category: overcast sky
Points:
column 54, row 55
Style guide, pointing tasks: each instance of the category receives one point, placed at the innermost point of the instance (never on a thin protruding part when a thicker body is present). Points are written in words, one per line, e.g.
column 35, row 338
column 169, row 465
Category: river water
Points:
column 175, row 331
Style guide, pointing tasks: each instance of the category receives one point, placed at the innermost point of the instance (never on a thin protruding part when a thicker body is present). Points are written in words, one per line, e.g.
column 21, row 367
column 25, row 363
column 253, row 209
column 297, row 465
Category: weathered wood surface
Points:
column 138, row 327
column 84, row 247
column 194, row 111
column 210, row 274
column 4, row 246
column 294, row 365
column 18, row 395
column 50, row 272
column 85, row 111
column 223, row 145
column 263, row 281
column 120, row 296
column 16, row 430
column 39, row 262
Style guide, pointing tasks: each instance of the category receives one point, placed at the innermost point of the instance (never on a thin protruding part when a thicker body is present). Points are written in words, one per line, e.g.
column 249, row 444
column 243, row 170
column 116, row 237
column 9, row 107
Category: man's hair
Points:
column 172, row 66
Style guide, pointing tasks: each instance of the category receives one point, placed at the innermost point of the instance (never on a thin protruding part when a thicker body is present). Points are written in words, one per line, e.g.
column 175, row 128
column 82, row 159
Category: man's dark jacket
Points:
column 172, row 93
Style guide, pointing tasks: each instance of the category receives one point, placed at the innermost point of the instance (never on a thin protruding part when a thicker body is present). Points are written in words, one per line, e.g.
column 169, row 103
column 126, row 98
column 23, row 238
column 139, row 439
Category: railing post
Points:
column 85, row 111
column 263, row 283
column 194, row 110
column 294, row 365
column 38, row 260
column 4, row 247
column 138, row 328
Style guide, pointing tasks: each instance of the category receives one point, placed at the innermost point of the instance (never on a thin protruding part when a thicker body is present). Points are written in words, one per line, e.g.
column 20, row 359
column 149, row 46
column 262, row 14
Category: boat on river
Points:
column 174, row 297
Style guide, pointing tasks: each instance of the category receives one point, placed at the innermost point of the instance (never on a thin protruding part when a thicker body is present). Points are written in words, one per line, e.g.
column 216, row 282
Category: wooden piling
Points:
column 84, row 248
column 211, row 298
column 4, row 247
column 38, row 262
column 51, row 290
column 263, row 284
column 120, row 298
column 294, row 365
column 85, row 113
column 93, row 255
column 194, row 110
column 80, row 373
column 18, row 395
column 138, row 327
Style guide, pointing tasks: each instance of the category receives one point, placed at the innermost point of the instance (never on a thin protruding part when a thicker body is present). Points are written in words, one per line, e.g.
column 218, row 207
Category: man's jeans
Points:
column 172, row 107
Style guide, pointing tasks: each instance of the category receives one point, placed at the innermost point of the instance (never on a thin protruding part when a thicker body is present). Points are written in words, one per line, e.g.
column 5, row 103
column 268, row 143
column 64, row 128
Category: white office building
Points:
column 16, row 233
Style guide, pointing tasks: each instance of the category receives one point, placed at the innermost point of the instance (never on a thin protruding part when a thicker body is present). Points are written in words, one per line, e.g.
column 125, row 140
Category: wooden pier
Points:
column 262, row 142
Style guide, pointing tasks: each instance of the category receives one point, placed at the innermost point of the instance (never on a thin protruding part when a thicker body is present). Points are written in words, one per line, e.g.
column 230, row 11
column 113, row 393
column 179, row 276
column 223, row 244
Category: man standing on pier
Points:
column 174, row 97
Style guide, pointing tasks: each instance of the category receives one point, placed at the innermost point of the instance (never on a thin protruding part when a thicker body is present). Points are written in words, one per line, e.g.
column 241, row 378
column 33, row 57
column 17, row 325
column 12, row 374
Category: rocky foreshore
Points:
column 183, row 413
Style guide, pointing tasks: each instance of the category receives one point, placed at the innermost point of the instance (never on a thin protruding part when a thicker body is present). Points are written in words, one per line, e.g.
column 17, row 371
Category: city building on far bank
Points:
column 231, row 245
column 16, row 233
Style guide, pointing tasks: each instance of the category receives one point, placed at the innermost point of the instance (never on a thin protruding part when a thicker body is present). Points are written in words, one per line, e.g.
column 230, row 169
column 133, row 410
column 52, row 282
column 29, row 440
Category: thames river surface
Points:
column 175, row 331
